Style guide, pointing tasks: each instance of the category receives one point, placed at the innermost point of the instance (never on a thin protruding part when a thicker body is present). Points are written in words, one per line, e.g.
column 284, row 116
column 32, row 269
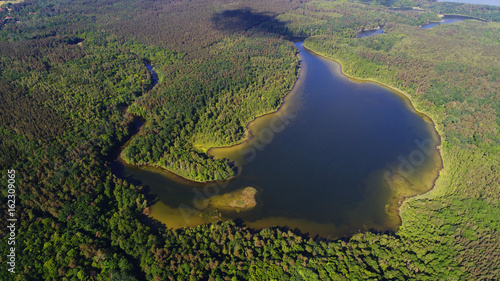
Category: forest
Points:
column 73, row 78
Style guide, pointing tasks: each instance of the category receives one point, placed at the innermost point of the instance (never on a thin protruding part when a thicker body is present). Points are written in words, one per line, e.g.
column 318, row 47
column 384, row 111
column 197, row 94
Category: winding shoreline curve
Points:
column 248, row 134
column 246, row 137
column 412, row 106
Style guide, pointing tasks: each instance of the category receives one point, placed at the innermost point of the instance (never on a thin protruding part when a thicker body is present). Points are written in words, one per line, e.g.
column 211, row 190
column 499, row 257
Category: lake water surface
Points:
column 481, row 2
column 336, row 159
column 445, row 20
column 368, row 33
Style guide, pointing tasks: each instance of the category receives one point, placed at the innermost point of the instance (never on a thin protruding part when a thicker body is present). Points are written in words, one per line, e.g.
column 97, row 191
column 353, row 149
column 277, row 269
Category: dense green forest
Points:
column 206, row 103
column 73, row 75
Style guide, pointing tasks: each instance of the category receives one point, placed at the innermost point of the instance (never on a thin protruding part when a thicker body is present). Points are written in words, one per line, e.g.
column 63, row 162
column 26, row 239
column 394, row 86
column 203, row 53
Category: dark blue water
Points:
column 323, row 164
column 368, row 33
column 445, row 20
column 153, row 73
column 481, row 2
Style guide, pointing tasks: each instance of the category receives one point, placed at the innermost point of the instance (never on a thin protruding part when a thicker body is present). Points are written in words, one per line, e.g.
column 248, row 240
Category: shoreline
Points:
column 248, row 133
column 247, row 136
column 464, row 17
column 395, row 206
column 170, row 174
column 404, row 199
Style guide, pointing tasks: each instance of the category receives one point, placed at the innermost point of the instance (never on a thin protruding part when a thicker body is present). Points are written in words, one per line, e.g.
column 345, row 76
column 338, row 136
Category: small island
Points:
column 239, row 200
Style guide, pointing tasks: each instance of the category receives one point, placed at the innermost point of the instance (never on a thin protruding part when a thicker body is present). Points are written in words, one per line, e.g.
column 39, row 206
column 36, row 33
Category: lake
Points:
column 446, row 20
column 481, row 2
column 336, row 159
column 368, row 33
